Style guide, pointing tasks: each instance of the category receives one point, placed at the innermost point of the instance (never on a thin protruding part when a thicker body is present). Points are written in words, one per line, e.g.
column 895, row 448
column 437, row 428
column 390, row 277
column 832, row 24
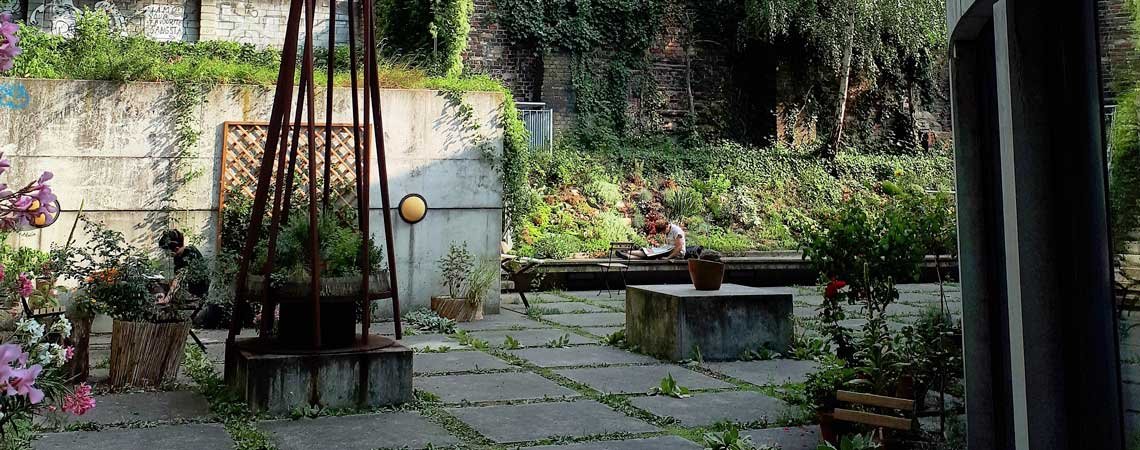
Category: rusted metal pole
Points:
column 267, row 304
column 366, row 168
column 329, row 104
column 361, row 206
column 314, row 218
column 280, row 98
column 286, row 207
column 381, row 160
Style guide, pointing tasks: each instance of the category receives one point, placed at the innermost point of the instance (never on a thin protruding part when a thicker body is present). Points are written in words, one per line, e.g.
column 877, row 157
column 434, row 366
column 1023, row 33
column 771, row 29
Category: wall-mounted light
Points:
column 413, row 208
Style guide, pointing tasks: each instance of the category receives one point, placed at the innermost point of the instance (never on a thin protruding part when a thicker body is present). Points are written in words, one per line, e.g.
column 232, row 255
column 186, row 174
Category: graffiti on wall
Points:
column 156, row 21
column 14, row 96
column 55, row 16
column 11, row 6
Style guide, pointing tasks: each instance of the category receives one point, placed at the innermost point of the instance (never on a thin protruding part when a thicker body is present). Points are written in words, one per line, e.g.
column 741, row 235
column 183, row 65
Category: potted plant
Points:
column 819, row 391
column 340, row 244
column 467, row 284
column 149, row 330
column 707, row 271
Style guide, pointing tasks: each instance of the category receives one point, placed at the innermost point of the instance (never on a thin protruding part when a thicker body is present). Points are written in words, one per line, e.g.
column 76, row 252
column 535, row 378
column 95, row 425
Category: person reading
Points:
column 672, row 248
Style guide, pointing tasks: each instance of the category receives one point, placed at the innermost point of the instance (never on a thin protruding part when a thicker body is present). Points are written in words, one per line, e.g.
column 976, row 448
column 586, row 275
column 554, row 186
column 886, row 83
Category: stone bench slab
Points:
column 677, row 321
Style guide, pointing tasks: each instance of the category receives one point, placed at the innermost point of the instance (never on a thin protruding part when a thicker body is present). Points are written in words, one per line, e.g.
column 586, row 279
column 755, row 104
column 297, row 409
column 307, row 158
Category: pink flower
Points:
column 10, row 356
column 26, row 287
column 23, row 382
column 69, row 353
column 80, row 401
column 2, row 274
column 9, row 48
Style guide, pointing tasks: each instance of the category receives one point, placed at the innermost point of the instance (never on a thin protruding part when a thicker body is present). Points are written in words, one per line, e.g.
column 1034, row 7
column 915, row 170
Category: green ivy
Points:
column 1124, row 176
column 433, row 32
column 607, row 41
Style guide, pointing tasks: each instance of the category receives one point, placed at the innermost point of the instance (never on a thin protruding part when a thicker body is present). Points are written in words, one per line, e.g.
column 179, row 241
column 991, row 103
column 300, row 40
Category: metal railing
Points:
column 539, row 121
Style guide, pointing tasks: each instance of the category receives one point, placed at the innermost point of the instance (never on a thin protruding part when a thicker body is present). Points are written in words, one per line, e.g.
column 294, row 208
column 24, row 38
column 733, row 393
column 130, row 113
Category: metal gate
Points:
column 539, row 122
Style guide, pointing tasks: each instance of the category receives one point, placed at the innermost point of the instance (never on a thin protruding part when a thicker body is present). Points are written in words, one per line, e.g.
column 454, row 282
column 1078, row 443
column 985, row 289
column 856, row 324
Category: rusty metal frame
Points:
column 277, row 140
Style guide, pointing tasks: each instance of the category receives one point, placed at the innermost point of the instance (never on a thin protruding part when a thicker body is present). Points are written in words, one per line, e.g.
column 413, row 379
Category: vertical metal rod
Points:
column 381, row 161
column 287, row 205
column 361, row 206
column 267, row 304
column 329, row 103
column 281, row 96
column 366, row 165
column 314, row 219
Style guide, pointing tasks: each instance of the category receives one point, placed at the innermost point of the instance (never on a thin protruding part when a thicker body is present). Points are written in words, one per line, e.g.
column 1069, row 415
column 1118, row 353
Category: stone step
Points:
column 1130, row 260
column 1132, row 273
column 1131, row 247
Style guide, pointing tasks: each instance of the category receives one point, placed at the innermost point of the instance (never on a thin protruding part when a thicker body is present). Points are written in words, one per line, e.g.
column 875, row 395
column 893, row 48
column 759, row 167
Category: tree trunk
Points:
column 832, row 147
column 80, row 367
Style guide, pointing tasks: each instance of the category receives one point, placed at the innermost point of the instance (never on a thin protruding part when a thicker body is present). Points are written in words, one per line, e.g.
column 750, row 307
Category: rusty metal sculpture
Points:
column 279, row 164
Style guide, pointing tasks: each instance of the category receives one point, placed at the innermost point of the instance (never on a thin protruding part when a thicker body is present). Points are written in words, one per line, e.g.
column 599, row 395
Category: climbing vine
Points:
column 606, row 40
column 433, row 32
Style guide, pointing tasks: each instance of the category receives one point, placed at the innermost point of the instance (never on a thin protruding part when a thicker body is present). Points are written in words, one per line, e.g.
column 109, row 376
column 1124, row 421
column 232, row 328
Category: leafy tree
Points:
column 871, row 41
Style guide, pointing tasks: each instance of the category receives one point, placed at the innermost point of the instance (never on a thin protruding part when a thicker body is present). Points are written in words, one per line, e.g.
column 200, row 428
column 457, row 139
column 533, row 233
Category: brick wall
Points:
column 557, row 90
column 1116, row 46
column 491, row 51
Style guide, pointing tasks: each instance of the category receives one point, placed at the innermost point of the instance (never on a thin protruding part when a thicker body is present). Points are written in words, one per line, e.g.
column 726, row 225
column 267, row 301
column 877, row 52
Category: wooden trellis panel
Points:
column 243, row 146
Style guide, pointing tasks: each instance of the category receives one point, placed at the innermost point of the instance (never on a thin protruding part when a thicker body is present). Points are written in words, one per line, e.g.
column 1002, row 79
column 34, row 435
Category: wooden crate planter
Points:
column 457, row 309
column 146, row 354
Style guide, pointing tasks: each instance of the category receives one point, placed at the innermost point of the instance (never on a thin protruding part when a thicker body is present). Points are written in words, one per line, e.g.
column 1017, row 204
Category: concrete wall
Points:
column 112, row 145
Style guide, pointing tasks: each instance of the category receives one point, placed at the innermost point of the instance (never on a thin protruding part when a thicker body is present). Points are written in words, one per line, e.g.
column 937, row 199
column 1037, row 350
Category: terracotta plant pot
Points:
column 706, row 275
column 146, row 354
column 457, row 309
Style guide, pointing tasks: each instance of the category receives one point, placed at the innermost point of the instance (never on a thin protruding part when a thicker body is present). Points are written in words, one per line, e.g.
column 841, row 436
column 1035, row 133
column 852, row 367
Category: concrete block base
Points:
column 276, row 381
column 676, row 321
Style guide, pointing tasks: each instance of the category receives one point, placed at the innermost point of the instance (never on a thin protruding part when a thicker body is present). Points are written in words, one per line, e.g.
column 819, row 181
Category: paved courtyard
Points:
column 556, row 385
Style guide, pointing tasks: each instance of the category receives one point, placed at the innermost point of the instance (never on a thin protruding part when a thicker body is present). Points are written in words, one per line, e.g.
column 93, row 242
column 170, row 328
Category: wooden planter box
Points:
column 457, row 309
column 146, row 354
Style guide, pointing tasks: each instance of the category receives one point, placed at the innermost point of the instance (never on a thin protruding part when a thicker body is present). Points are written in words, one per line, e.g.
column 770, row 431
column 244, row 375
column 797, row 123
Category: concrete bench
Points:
column 676, row 321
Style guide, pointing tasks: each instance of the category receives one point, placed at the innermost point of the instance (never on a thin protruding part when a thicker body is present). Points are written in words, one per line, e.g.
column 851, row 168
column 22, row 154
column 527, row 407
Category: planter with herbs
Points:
column 467, row 282
column 341, row 280
column 149, row 329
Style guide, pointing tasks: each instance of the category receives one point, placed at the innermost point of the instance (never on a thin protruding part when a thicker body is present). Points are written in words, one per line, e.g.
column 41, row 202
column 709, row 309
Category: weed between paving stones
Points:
column 231, row 411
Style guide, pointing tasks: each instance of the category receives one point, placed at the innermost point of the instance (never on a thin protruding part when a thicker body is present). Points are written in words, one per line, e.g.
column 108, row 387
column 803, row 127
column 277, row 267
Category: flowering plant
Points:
column 9, row 42
column 32, row 375
column 114, row 278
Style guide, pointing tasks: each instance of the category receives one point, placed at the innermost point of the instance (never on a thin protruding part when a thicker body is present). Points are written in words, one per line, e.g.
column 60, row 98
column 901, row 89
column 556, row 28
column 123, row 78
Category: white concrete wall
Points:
column 112, row 145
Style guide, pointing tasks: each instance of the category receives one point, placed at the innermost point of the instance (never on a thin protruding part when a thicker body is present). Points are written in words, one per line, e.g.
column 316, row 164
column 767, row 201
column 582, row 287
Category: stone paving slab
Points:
column 610, row 319
column 170, row 437
column 657, row 443
column 387, row 430
column 602, row 331
column 614, row 294
column 618, row 305
column 505, row 320
column 764, row 373
column 639, row 379
column 709, row 408
column 563, row 307
column 146, row 407
column 530, row 338
column 583, row 355
column 422, row 341
column 429, row 363
column 519, row 423
column 787, row 438
column 492, row 387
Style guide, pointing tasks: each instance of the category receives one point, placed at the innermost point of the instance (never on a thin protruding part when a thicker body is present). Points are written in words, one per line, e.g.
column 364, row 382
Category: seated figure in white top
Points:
column 672, row 248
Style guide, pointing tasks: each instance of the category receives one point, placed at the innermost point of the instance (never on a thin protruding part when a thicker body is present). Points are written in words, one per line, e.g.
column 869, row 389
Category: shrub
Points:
column 1124, row 176
column 721, row 240
column 557, row 246
column 683, row 202
column 602, row 193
